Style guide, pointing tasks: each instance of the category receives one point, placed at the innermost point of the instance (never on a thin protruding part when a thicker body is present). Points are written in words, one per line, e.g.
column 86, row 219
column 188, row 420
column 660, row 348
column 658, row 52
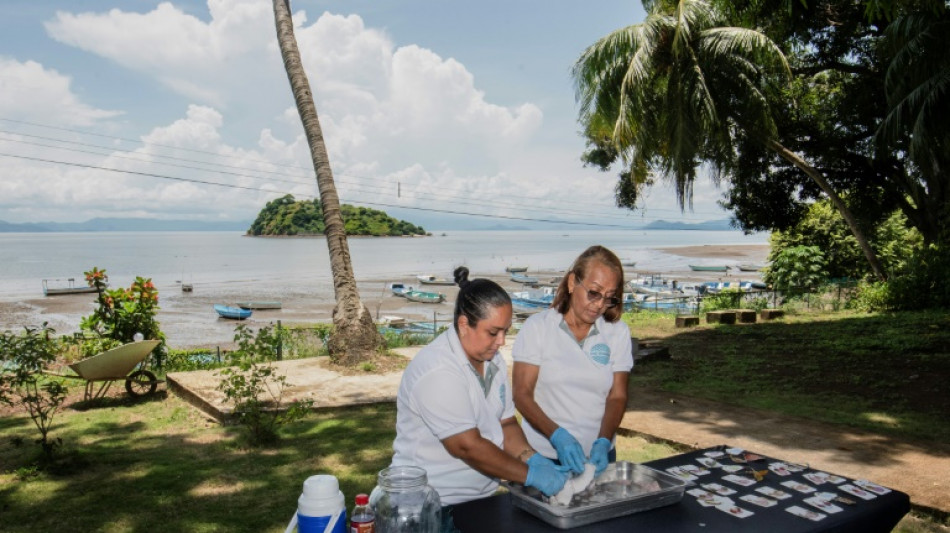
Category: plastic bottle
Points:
column 363, row 519
column 320, row 508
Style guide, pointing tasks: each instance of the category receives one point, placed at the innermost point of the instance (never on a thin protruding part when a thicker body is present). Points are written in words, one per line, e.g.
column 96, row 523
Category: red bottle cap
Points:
column 362, row 499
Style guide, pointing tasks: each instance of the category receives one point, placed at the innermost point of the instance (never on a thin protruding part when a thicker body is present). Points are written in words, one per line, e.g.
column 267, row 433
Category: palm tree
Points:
column 676, row 91
column 355, row 336
column 918, row 93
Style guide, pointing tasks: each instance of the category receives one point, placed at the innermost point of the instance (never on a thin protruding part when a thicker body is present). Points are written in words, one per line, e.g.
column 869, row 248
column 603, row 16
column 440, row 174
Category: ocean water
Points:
column 225, row 258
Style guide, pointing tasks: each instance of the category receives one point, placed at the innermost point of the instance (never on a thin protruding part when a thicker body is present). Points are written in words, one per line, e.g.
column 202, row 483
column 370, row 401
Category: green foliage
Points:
column 922, row 283
column 120, row 314
column 255, row 389
column 871, row 296
column 823, row 227
column 286, row 216
column 796, row 268
column 724, row 299
column 399, row 339
column 23, row 359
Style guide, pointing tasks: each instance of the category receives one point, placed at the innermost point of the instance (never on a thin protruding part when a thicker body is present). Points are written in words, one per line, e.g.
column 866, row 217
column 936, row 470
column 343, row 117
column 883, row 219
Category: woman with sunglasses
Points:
column 571, row 364
column 454, row 412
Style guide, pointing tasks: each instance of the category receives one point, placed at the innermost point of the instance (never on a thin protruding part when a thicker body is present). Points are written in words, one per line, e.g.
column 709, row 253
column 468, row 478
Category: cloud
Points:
column 391, row 114
column 32, row 92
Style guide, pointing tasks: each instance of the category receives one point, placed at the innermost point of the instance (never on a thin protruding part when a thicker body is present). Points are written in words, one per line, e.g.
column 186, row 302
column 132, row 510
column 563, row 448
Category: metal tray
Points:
column 624, row 488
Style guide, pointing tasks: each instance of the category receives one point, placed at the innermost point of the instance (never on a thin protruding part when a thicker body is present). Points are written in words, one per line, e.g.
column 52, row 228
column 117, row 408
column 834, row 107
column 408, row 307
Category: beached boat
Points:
column 533, row 300
column 513, row 269
column 526, row 280
column 429, row 279
column 259, row 305
column 399, row 289
column 746, row 267
column 70, row 287
column 233, row 312
column 187, row 287
column 709, row 268
column 628, row 263
column 424, row 297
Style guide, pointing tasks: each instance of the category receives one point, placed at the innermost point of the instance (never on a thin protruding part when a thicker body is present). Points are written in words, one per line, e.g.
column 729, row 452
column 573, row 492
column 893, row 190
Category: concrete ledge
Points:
column 686, row 321
column 746, row 316
column 721, row 317
column 771, row 314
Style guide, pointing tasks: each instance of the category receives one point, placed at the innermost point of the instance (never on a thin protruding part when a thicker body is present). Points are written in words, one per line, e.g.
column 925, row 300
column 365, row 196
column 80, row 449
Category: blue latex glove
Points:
column 545, row 476
column 569, row 451
column 598, row 455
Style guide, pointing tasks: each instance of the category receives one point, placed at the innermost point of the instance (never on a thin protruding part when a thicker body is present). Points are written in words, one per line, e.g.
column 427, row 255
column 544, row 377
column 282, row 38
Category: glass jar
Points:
column 404, row 502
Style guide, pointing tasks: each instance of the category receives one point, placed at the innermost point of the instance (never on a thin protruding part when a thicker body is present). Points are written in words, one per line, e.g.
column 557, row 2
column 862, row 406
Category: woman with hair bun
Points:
column 454, row 411
column 571, row 364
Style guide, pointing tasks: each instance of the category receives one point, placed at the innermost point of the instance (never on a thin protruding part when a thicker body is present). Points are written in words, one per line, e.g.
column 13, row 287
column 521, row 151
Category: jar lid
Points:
column 362, row 499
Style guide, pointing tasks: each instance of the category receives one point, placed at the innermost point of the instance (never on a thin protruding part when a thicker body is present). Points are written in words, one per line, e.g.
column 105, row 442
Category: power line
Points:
column 233, row 186
column 523, row 201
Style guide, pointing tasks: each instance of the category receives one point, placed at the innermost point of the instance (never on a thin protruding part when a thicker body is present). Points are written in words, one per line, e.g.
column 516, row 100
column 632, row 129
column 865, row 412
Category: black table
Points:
column 496, row 514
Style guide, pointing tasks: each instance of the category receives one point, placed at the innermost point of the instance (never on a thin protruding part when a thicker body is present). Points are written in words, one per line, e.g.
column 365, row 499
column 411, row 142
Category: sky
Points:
column 445, row 114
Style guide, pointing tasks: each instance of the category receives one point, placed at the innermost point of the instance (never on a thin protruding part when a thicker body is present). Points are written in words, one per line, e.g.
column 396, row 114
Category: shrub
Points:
column 23, row 358
column 921, row 283
column 254, row 387
column 797, row 267
column 120, row 314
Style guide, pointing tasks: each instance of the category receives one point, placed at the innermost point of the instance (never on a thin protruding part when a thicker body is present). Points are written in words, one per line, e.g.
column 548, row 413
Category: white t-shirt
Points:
column 441, row 395
column 573, row 379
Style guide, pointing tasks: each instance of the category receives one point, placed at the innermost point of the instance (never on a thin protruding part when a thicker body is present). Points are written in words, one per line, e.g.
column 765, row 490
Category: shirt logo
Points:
column 600, row 354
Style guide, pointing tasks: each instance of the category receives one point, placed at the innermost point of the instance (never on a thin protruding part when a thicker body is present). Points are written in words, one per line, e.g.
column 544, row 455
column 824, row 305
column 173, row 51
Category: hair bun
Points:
column 461, row 276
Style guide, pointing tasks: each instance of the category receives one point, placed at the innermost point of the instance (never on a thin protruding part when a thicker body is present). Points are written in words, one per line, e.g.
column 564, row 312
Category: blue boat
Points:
column 233, row 312
column 533, row 300
column 524, row 279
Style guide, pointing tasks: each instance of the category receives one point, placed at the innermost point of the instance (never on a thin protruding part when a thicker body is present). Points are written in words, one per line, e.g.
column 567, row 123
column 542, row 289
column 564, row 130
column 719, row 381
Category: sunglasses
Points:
column 595, row 297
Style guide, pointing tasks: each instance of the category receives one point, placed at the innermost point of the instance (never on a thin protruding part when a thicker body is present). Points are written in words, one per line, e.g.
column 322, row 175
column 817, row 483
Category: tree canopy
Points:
column 287, row 216
column 856, row 117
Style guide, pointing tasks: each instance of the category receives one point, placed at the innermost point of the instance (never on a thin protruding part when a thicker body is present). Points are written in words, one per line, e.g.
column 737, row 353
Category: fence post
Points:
column 219, row 354
column 280, row 342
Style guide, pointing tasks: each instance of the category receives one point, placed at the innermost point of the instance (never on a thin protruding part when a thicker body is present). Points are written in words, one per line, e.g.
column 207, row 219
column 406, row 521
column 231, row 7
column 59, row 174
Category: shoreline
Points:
column 189, row 321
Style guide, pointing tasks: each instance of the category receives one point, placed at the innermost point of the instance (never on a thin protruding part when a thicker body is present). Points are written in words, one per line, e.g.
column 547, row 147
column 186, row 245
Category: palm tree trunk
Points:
column 813, row 173
column 355, row 337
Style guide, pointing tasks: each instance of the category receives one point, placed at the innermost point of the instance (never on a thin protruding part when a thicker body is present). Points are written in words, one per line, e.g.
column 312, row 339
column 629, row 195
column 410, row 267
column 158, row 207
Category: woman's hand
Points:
column 598, row 455
column 569, row 451
column 545, row 476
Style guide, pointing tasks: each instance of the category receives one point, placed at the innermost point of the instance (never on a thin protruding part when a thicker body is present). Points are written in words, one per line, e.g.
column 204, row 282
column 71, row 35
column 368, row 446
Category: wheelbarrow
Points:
column 115, row 365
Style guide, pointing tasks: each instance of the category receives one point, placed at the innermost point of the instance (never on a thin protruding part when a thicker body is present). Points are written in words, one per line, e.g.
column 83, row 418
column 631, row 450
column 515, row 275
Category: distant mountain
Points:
column 709, row 225
column 123, row 224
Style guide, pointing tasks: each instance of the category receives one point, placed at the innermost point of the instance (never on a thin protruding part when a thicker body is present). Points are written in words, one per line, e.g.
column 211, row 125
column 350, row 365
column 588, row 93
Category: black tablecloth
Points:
column 497, row 514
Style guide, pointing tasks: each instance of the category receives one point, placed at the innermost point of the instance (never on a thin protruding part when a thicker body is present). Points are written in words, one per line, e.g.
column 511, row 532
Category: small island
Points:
column 286, row 216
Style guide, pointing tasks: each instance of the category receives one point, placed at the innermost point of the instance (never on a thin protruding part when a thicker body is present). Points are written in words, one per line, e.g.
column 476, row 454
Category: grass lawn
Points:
column 884, row 373
column 159, row 464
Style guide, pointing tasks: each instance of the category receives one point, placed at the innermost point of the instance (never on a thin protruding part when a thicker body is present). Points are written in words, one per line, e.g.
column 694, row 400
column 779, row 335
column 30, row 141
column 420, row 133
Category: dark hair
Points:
column 580, row 267
column 476, row 297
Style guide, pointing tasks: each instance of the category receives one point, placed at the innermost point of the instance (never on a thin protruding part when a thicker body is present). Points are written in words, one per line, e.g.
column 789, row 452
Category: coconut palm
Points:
column 355, row 336
column 918, row 93
column 676, row 92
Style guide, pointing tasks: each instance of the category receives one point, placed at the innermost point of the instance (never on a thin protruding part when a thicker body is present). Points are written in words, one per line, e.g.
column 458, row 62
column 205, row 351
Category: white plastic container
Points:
column 320, row 508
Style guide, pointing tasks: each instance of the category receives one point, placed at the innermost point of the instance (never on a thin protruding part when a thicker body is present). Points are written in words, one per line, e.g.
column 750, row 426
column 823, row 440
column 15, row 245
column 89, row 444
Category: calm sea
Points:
column 223, row 257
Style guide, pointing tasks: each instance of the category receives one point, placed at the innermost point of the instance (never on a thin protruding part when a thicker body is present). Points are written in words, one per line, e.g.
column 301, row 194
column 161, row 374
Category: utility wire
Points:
column 523, row 201
column 233, row 186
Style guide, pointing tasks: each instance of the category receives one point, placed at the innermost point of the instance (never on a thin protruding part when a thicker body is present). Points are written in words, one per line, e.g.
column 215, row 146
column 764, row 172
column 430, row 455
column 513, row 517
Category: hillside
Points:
column 288, row 217
column 120, row 224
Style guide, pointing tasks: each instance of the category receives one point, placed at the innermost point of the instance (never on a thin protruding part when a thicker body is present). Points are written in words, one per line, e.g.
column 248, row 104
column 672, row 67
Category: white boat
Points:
column 429, row 279
column 70, row 287
column 259, row 305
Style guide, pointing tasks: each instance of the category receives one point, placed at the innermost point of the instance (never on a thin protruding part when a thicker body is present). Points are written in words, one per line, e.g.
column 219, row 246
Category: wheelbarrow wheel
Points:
column 140, row 383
